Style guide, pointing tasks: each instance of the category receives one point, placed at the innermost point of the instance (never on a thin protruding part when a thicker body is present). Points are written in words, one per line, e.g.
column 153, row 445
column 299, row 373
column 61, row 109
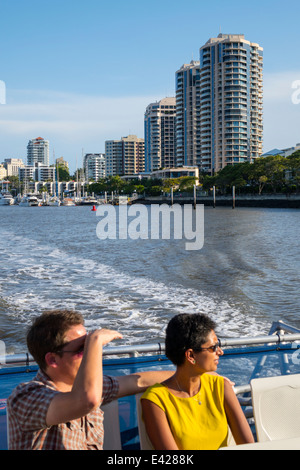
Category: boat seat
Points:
column 276, row 407
column 145, row 442
column 112, row 435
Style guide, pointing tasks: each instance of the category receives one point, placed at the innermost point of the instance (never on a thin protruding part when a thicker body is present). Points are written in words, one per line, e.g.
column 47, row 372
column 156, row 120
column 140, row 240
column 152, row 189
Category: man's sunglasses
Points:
column 75, row 352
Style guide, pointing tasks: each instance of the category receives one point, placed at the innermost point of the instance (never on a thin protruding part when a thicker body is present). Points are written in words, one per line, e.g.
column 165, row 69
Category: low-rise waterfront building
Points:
column 283, row 152
column 37, row 172
column 51, row 187
column 177, row 173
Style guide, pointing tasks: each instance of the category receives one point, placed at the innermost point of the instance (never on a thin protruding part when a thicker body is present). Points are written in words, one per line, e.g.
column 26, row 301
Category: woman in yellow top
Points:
column 193, row 409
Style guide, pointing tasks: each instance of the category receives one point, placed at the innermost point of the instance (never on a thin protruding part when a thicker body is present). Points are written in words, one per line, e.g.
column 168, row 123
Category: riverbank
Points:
column 269, row 201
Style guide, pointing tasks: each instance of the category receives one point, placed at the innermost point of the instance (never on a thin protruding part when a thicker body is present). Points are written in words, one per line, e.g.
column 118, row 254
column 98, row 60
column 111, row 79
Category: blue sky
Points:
column 81, row 72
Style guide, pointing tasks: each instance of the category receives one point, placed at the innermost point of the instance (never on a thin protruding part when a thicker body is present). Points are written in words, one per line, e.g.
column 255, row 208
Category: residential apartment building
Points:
column 114, row 158
column 125, row 156
column 159, row 129
column 61, row 163
column 94, row 166
column 37, row 172
column 12, row 166
column 187, row 87
column 231, row 95
column 3, row 172
column 38, row 151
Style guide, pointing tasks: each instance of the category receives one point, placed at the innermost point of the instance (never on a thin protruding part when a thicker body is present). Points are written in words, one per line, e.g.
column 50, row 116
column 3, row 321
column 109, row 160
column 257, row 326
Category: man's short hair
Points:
column 47, row 333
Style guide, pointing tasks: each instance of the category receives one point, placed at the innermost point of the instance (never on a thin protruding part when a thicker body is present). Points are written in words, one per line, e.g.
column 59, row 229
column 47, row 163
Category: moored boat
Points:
column 29, row 201
column 6, row 199
column 54, row 201
column 88, row 201
column 67, row 201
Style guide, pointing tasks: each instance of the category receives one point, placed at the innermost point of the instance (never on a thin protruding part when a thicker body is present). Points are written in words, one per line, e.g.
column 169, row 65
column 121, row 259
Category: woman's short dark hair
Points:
column 47, row 333
column 186, row 331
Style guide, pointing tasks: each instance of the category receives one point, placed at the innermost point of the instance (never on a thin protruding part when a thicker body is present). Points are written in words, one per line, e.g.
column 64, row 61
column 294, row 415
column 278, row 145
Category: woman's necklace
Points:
column 196, row 397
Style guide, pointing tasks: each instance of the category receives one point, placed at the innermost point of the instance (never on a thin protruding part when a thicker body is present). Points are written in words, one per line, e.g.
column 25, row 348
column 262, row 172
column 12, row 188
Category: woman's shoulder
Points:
column 213, row 380
column 156, row 389
column 157, row 394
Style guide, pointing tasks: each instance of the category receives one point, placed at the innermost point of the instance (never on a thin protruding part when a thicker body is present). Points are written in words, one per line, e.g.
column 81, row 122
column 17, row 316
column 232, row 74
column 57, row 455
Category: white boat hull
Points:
column 6, row 200
column 29, row 203
column 54, row 203
column 6, row 203
column 68, row 202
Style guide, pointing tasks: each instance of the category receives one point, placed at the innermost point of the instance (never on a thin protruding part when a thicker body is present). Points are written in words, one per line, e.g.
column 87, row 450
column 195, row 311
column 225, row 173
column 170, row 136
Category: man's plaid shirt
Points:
column 27, row 410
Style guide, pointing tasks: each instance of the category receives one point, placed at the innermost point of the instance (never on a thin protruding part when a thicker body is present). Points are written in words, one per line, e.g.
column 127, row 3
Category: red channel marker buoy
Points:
column 94, row 208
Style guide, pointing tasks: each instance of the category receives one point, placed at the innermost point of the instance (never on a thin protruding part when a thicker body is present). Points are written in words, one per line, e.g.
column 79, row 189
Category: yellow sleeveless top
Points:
column 194, row 426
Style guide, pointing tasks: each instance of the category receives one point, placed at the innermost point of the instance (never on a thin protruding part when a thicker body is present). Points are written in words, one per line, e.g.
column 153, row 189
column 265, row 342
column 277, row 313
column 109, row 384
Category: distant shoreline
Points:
column 267, row 201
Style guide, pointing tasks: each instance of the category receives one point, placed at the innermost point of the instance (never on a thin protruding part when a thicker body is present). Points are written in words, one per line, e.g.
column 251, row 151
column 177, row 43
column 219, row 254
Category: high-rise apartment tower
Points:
column 125, row 156
column 38, row 151
column 159, row 131
column 94, row 166
column 231, row 95
column 188, row 115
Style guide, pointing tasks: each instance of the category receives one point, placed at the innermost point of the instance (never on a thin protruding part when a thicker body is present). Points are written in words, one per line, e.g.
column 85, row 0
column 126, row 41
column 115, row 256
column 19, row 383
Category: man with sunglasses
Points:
column 60, row 408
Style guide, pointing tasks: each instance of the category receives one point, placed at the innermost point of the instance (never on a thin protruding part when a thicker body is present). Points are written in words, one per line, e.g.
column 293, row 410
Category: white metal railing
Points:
column 277, row 337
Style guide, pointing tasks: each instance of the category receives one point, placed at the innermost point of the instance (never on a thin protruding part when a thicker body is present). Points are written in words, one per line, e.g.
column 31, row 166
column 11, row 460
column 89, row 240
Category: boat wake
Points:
column 45, row 277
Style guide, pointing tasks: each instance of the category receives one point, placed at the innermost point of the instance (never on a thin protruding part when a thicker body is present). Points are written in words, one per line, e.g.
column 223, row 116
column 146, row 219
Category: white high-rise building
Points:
column 38, row 151
column 159, row 129
column 94, row 166
column 188, row 115
column 231, row 101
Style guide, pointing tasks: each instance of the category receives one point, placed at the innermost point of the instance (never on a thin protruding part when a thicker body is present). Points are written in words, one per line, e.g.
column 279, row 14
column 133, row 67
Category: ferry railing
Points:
column 280, row 333
column 136, row 349
column 277, row 330
column 277, row 334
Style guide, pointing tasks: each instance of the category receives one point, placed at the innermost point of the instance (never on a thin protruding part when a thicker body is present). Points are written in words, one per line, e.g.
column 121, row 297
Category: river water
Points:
column 245, row 277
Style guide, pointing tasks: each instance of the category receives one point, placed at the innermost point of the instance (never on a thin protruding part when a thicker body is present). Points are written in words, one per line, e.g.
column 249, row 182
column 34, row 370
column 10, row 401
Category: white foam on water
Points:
column 139, row 307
